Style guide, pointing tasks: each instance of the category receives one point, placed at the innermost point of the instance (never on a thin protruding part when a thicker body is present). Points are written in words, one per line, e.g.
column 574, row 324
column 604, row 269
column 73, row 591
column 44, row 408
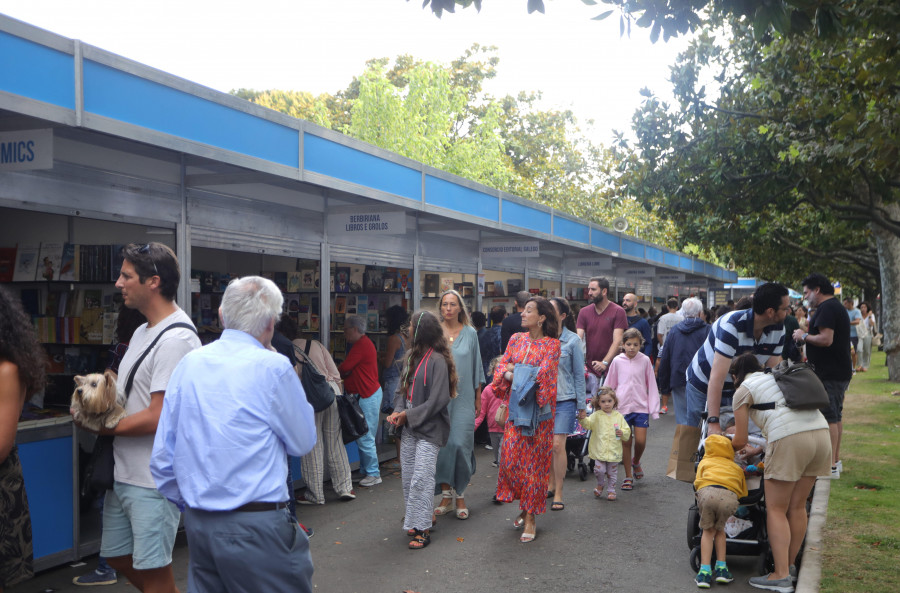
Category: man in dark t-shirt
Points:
column 513, row 324
column 828, row 349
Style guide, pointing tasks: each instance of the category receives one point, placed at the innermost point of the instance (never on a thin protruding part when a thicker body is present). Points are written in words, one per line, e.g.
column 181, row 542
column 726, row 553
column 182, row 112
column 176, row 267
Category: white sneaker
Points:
column 840, row 466
column 369, row 481
column 835, row 473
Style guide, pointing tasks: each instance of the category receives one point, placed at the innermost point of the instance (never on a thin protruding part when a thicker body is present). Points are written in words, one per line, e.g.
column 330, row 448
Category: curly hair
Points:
column 19, row 344
column 427, row 332
column 604, row 390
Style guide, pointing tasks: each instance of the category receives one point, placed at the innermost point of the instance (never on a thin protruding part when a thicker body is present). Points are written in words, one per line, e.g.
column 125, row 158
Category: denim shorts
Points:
column 564, row 422
column 638, row 420
column 139, row 522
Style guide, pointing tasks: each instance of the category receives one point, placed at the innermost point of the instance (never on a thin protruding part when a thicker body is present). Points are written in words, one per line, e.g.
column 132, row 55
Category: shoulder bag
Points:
column 802, row 389
column 319, row 392
column 100, row 471
column 353, row 421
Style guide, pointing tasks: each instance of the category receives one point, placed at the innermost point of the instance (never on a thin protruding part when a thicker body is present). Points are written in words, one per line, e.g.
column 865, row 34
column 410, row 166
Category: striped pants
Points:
column 329, row 445
column 418, row 463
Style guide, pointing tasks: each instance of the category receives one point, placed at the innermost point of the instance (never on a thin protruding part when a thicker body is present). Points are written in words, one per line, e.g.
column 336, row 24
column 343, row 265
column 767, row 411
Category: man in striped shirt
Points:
column 759, row 329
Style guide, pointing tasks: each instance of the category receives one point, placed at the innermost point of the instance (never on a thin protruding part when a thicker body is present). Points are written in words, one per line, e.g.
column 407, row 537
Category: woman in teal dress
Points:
column 456, row 461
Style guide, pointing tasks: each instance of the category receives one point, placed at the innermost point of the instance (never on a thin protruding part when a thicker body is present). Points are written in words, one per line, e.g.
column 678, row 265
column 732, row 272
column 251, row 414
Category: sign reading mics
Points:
column 26, row 149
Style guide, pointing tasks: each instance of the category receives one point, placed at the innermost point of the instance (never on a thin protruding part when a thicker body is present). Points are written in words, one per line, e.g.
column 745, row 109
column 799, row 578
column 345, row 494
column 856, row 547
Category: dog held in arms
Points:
column 94, row 402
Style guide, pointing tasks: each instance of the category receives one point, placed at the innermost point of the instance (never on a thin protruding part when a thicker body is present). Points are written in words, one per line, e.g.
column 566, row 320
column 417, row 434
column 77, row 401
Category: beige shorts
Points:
column 798, row 455
column 716, row 505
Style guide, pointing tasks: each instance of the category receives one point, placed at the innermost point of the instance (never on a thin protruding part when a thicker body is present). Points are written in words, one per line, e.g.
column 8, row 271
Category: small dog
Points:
column 94, row 402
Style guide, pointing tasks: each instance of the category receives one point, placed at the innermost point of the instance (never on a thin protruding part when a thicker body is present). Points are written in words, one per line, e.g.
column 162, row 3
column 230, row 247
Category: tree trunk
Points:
column 888, row 245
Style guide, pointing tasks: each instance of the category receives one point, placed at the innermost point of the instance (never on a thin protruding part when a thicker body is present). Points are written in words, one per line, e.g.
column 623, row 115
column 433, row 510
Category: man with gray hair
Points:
column 682, row 342
column 360, row 373
column 233, row 411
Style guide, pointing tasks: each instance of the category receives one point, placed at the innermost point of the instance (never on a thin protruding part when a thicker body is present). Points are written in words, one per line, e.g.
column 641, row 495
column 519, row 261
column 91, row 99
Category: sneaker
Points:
column 840, row 466
column 488, row 447
column 370, row 481
column 723, row 575
column 304, row 500
column 781, row 585
column 835, row 473
column 307, row 530
column 348, row 495
column 704, row 580
column 792, row 570
column 96, row 577
column 664, row 410
column 495, row 464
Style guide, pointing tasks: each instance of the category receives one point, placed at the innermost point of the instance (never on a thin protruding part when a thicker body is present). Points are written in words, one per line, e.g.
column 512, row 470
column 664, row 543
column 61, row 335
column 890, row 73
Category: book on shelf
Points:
column 340, row 304
column 26, row 262
column 293, row 282
column 362, row 306
column 116, row 258
column 357, row 278
column 351, row 305
column 7, row 263
column 308, row 279
column 432, row 284
column 110, row 318
column 303, row 321
column 314, row 322
column 92, row 326
column 222, row 282
column 372, row 321
column 513, row 285
column 281, row 279
column 339, row 321
column 489, row 289
column 68, row 267
column 341, row 279
column 403, row 279
column 56, row 359
column 498, row 288
column 446, row 284
column 49, row 260
column 292, row 303
column 374, row 279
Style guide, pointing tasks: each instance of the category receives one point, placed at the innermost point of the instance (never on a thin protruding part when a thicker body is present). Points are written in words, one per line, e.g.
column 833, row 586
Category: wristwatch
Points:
column 713, row 420
column 604, row 363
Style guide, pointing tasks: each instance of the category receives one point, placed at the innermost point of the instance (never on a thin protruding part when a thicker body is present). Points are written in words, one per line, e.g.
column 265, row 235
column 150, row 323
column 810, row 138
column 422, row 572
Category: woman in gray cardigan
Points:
column 420, row 412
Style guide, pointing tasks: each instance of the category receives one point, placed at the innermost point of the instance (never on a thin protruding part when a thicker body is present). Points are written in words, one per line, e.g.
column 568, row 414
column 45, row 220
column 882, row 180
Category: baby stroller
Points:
column 577, row 442
column 746, row 533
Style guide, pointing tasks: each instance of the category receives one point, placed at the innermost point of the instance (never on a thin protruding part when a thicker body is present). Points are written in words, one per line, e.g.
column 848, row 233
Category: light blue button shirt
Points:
column 233, row 411
column 570, row 380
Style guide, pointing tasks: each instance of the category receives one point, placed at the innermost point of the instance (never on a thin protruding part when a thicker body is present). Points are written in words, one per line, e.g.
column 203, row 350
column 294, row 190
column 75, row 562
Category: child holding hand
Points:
column 631, row 375
column 489, row 405
column 608, row 429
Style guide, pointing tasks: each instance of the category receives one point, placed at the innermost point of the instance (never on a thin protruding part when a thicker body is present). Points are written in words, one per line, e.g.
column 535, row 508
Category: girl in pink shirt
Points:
column 631, row 375
column 489, row 405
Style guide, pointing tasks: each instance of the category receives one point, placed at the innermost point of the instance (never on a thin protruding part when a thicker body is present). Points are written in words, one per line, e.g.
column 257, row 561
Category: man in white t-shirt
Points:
column 139, row 524
column 666, row 323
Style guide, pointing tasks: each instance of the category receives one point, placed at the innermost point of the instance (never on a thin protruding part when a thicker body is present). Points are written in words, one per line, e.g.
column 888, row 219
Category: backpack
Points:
column 802, row 389
column 319, row 392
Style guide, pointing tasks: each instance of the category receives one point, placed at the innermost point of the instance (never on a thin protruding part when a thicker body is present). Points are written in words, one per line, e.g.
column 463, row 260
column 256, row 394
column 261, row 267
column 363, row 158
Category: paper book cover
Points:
column 66, row 269
column 357, row 278
column 91, row 299
column 372, row 321
column 281, row 280
column 498, row 288
column 362, row 306
column 389, row 280
column 403, row 279
column 109, row 326
column 303, row 321
column 49, row 261
column 51, row 306
column 308, row 279
column 374, row 279
column 513, row 285
column 314, row 322
column 340, row 304
column 351, row 305
column 341, row 279
column 304, row 303
column 293, row 281
column 446, row 284
column 432, row 284
column 7, row 263
column 92, row 326
column 292, row 303
column 489, row 289
column 26, row 262
column 339, row 321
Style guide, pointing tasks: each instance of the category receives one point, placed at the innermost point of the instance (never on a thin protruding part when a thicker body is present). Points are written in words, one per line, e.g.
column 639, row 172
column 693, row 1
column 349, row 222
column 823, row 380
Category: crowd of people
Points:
column 529, row 377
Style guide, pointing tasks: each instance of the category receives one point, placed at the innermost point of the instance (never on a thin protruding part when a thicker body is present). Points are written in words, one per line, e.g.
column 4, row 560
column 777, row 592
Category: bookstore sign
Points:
column 503, row 249
column 26, row 149
column 367, row 223
column 589, row 266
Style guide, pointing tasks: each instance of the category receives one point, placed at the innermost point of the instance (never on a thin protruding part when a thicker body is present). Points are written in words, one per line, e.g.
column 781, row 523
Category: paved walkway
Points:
column 635, row 544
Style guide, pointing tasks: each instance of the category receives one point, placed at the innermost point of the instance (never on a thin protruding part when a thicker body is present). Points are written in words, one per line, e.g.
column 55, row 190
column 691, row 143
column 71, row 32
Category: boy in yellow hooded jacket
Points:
column 719, row 483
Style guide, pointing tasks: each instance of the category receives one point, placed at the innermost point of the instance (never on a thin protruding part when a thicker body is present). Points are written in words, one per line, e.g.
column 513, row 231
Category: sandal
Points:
column 462, row 514
column 550, row 494
column 528, row 537
column 445, row 508
column 412, row 532
column 557, row 506
column 420, row 540
column 627, row 484
column 611, row 496
column 519, row 521
column 598, row 493
column 638, row 470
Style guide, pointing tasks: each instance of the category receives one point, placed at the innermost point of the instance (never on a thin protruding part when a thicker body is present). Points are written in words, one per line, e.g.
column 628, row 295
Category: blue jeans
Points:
column 680, row 405
column 696, row 404
column 368, row 455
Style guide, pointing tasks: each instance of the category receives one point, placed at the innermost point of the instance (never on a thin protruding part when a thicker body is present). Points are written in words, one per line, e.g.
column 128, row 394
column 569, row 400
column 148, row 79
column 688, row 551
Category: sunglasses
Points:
column 145, row 249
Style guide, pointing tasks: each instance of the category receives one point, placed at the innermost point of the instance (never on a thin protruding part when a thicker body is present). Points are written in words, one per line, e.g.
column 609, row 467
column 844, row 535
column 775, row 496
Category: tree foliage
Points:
column 440, row 114
column 782, row 152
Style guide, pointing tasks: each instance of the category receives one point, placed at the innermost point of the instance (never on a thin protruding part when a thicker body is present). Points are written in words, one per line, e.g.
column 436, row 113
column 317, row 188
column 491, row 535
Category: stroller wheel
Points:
column 582, row 472
column 693, row 526
column 765, row 563
column 695, row 558
column 570, row 463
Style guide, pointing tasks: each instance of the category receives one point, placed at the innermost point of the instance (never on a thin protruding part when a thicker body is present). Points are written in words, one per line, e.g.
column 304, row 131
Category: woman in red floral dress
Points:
column 525, row 460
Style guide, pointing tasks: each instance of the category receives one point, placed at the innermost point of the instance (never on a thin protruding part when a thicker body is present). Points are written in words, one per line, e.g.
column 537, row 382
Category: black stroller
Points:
column 746, row 535
column 577, row 442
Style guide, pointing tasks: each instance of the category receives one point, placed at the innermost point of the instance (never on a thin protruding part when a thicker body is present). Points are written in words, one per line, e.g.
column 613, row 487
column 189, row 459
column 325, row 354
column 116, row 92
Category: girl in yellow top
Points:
column 608, row 430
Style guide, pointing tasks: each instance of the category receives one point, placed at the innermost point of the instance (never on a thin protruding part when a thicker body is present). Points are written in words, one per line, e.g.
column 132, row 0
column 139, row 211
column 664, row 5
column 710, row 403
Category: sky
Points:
column 320, row 45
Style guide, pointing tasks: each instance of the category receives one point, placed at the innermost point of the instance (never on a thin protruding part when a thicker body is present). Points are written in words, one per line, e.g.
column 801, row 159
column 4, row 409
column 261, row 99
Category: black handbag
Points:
column 353, row 421
column 319, row 392
column 100, row 472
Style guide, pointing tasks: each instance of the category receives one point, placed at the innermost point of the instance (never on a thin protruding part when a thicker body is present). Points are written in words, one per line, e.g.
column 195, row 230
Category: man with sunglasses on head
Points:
column 139, row 524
